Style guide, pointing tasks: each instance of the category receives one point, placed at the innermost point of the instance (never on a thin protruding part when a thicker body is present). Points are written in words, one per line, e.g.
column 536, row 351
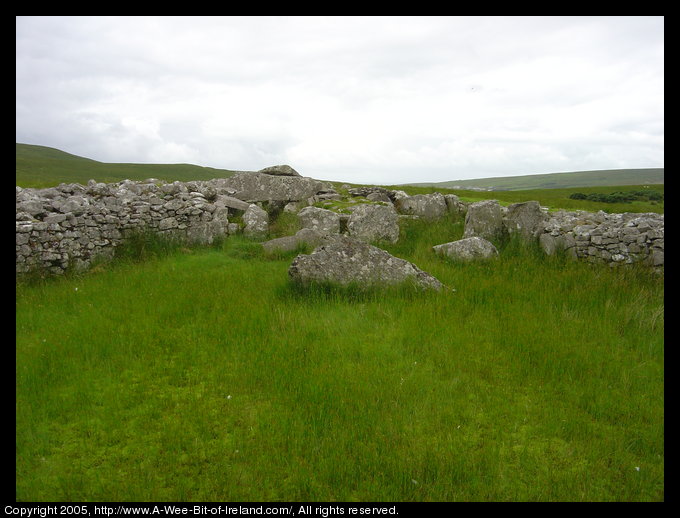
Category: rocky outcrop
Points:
column 347, row 261
column 468, row 249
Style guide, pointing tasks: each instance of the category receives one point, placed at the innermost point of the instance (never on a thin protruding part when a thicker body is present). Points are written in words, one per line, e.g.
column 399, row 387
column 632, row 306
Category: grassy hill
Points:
column 40, row 166
column 601, row 177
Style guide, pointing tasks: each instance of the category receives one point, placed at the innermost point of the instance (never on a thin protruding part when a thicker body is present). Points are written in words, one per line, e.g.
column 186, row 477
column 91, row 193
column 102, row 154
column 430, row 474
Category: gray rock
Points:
column 290, row 243
column 322, row 196
column 323, row 220
column 455, row 205
column 254, row 187
column 366, row 191
column 427, row 206
column 231, row 202
column 374, row 223
column 280, row 170
column 379, row 196
column 256, row 222
column 468, row 249
column 32, row 207
column 351, row 261
column 526, row 219
column 484, row 219
column 74, row 204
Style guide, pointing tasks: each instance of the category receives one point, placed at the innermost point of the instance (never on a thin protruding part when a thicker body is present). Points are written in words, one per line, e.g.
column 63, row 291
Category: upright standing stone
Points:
column 484, row 219
column 256, row 222
column 526, row 219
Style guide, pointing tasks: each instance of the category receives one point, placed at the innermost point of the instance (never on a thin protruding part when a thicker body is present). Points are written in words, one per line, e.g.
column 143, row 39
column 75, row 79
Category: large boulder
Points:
column 370, row 222
column 350, row 261
column 526, row 219
column 427, row 206
column 484, row 219
column 254, row 187
column 324, row 220
column 280, row 170
column 468, row 249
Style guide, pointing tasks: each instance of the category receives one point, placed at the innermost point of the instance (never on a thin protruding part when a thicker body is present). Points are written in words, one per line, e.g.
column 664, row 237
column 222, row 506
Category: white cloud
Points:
column 364, row 99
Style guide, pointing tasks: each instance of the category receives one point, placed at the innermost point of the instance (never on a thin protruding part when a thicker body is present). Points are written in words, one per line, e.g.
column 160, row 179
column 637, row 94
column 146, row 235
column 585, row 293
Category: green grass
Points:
column 204, row 375
column 600, row 177
column 556, row 198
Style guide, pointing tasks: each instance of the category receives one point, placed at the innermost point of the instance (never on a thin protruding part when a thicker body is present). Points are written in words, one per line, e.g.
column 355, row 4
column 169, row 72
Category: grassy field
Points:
column 566, row 180
column 557, row 198
column 204, row 375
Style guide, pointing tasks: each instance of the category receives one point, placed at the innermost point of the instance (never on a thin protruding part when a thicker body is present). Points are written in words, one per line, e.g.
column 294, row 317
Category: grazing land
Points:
column 40, row 166
column 204, row 375
column 597, row 178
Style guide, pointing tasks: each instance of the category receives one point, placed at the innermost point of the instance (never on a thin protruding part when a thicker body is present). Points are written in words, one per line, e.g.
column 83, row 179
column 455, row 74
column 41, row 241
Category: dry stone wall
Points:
column 72, row 225
column 623, row 238
column 608, row 238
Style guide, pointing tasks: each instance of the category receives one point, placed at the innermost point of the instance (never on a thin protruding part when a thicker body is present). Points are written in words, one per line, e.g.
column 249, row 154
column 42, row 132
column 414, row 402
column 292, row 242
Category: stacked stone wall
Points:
column 623, row 238
column 72, row 225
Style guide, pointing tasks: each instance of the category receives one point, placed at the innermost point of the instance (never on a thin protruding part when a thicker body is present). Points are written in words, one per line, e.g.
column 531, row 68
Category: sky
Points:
column 380, row 100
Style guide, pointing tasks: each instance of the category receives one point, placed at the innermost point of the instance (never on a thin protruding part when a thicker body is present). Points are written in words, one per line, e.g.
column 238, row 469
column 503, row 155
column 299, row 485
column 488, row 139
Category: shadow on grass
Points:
column 323, row 292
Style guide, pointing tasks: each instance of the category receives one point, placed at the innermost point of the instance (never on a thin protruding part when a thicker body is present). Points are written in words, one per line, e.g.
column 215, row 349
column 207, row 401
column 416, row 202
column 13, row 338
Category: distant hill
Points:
column 600, row 177
column 41, row 166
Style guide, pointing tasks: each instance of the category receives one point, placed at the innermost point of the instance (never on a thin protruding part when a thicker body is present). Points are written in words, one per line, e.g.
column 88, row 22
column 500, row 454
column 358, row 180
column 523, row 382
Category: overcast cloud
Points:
column 381, row 100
